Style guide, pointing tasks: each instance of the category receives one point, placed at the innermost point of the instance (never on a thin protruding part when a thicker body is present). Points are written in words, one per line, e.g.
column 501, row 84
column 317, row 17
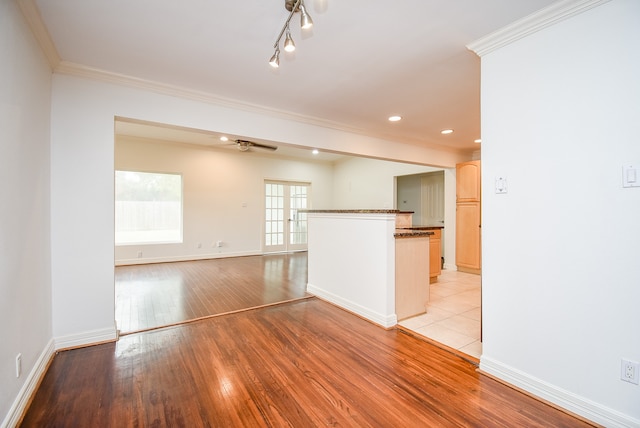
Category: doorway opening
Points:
column 424, row 195
column 454, row 311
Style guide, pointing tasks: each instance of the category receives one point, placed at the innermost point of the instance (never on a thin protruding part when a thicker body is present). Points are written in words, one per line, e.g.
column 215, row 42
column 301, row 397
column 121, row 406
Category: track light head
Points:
column 289, row 45
column 305, row 19
column 275, row 59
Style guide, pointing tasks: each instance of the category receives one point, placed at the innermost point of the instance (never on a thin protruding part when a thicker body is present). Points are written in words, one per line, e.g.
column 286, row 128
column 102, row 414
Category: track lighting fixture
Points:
column 292, row 6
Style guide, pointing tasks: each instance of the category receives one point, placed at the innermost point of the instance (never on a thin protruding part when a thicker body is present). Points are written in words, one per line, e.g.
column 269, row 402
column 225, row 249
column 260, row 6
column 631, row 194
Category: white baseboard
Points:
column 187, row 258
column 31, row 383
column 86, row 338
column 448, row 266
column 21, row 402
column 386, row 321
column 567, row 400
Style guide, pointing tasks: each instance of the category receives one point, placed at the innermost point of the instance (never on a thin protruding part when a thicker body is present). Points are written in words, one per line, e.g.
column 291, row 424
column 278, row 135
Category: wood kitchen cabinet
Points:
column 435, row 257
column 468, row 181
column 412, row 283
column 468, row 236
column 404, row 219
column 468, row 218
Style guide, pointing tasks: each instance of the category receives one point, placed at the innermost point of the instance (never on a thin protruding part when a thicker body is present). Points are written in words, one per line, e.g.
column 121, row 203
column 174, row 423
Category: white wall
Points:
column 561, row 261
column 409, row 195
column 223, row 195
column 25, row 281
column 361, row 183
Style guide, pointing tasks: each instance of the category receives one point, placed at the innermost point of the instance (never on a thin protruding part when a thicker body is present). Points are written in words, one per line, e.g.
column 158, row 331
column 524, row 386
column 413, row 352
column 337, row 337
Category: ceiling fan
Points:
column 245, row 145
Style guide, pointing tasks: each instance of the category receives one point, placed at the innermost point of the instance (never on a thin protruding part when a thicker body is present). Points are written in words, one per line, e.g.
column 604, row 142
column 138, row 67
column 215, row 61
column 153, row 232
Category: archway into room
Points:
column 361, row 182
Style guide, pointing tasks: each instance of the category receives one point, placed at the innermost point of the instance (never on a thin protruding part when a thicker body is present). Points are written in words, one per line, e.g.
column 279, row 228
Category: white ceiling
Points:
column 362, row 61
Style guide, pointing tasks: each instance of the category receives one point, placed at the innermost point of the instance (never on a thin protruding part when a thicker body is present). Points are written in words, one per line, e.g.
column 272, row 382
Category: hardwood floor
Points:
column 300, row 364
column 156, row 295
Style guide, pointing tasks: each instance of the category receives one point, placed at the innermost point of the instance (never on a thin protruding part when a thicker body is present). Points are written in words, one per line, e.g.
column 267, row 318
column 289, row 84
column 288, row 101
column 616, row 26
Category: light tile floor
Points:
column 453, row 313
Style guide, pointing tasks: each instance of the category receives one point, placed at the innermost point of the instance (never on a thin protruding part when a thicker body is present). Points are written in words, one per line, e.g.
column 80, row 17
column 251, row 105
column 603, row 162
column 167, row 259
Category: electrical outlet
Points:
column 18, row 365
column 630, row 371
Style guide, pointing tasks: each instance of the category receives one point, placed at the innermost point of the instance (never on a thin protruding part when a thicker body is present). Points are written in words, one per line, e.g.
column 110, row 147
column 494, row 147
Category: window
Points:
column 148, row 208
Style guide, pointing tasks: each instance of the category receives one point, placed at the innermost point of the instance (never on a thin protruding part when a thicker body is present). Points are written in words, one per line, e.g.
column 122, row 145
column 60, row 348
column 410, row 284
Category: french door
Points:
column 285, row 228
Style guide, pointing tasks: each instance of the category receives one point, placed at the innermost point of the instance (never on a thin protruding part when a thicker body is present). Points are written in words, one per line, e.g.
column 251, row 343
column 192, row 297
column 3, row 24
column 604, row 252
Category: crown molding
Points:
column 32, row 15
column 91, row 73
column 530, row 24
column 79, row 70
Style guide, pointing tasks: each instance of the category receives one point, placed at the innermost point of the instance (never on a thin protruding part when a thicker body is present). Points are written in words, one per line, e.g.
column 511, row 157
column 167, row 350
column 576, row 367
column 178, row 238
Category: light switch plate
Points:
column 501, row 184
column 631, row 175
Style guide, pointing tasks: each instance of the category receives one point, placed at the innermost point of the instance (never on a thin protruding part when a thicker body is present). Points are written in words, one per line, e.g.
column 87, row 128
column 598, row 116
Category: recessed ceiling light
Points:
column 394, row 118
column 223, row 138
column 315, row 151
column 477, row 141
column 446, row 131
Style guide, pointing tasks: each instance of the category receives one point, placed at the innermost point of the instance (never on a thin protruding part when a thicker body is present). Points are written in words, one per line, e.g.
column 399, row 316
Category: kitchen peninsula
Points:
column 435, row 250
column 361, row 261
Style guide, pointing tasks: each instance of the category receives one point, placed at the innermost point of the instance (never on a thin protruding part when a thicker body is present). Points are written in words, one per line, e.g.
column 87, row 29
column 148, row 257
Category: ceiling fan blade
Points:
column 244, row 145
column 264, row 146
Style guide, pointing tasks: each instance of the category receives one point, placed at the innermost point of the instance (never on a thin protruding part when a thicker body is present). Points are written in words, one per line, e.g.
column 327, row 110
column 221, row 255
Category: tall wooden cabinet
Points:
column 468, row 220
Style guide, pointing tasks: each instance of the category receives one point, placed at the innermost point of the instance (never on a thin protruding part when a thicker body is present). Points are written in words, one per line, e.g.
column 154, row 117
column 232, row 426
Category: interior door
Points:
column 432, row 198
column 285, row 227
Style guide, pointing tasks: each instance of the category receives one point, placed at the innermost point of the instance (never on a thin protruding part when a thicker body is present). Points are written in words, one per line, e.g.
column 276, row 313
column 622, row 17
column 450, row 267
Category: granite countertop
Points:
column 364, row 211
column 423, row 227
column 411, row 233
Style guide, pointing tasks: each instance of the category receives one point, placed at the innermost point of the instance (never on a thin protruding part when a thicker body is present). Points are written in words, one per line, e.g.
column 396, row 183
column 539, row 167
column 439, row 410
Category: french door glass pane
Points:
column 298, row 201
column 274, row 215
